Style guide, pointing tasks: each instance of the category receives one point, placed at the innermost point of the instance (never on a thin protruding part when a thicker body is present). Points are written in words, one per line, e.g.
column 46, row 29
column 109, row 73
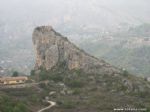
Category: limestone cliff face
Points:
column 52, row 48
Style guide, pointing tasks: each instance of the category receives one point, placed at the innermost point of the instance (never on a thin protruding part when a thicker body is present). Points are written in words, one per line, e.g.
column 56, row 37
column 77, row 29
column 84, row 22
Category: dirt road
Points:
column 50, row 106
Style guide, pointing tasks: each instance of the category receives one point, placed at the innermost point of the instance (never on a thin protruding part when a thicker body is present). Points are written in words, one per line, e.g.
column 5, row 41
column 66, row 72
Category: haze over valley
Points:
column 116, row 31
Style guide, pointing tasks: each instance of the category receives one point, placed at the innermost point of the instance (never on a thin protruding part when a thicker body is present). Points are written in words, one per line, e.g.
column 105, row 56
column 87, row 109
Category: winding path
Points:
column 50, row 106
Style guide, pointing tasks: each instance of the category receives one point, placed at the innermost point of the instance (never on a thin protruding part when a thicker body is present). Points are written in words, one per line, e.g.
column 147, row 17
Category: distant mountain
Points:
column 77, row 19
column 127, row 49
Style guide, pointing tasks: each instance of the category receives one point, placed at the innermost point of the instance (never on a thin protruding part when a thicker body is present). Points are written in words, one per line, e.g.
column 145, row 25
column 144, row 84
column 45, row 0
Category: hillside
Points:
column 127, row 49
column 102, row 88
column 77, row 91
column 85, row 81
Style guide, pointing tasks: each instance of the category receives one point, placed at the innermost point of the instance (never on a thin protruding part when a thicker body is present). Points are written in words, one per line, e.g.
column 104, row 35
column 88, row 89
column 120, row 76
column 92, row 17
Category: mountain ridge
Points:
column 52, row 48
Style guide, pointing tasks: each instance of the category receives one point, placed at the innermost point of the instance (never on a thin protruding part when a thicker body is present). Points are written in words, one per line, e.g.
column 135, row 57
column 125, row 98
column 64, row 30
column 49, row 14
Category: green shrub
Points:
column 9, row 105
column 43, row 75
column 122, row 88
column 125, row 73
column 32, row 73
column 76, row 91
column 148, row 110
column 50, row 75
column 20, row 108
column 56, row 78
column 15, row 74
column 143, row 94
column 75, row 84
column 34, row 98
column 68, row 105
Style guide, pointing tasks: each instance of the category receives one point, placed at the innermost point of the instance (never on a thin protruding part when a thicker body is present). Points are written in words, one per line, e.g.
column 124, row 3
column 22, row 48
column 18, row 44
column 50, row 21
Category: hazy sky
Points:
column 58, row 12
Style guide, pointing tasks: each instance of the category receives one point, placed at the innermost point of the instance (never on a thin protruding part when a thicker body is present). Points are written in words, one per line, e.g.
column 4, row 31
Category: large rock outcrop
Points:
column 52, row 48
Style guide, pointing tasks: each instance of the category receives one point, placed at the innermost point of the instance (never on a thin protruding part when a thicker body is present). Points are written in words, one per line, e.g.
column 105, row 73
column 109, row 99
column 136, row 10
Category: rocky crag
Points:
column 52, row 48
column 74, row 90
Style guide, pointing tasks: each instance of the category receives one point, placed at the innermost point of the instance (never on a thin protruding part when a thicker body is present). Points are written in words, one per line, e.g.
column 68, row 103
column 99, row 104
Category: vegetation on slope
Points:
column 7, row 104
column 77, row 91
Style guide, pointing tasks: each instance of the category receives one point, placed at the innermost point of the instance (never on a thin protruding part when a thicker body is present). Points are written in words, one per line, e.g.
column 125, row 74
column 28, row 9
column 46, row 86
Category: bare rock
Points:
column 52, row 48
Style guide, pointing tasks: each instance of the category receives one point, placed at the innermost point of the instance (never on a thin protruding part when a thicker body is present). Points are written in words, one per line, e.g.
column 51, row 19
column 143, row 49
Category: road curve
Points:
column 50, row 106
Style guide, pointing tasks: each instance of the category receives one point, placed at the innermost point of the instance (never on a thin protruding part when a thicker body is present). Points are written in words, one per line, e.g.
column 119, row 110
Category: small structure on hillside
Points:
column 13, row 80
